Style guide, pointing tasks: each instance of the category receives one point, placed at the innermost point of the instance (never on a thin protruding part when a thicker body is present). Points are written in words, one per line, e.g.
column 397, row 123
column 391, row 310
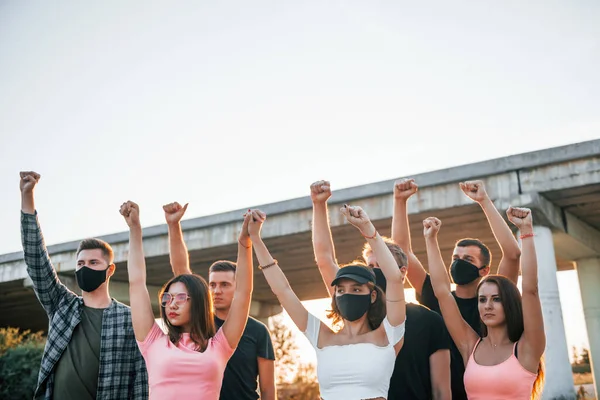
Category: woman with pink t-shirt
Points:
column 188, row 361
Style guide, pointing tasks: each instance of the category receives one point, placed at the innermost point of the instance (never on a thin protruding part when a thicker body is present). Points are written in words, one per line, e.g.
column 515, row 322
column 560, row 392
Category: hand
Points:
column 131, row 212
column 431, row 227
column 404, row 188
column 320, row 191
column 28, row 181
column 174, row 212
column 244, row 238
column 359, row 218
column 521, row 218
column 475, row 190
column 255, row 222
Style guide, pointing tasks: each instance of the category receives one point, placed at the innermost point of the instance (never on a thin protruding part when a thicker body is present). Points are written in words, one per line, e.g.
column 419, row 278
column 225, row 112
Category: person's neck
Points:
column 99, row 298
column 498, row 336
column 467, row 291
column 222, row 313
column 358, row 327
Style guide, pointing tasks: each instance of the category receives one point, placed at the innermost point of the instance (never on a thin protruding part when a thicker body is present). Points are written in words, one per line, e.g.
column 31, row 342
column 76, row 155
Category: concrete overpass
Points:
column 561, row 185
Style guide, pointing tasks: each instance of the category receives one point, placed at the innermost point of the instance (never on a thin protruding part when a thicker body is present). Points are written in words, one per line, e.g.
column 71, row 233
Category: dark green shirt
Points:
column 76, row 375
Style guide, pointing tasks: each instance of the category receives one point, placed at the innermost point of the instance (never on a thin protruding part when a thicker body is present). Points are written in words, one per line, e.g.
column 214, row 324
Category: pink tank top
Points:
column 505, row 381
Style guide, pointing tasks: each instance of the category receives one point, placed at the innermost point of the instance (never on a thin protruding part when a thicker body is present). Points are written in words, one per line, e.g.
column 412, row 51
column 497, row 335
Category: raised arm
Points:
column 235, row 323
column 321, row 234
column 276, row 279
column 511, row 253
column 48, row 288
column 463, row 335
column 403, row 189
column 533, row 340
column 178, row 252
column 142, row 316
column 394, row 293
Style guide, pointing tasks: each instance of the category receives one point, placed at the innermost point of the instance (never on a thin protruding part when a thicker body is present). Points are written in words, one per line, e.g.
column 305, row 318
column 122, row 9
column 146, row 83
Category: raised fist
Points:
column 431, row 227
column 475, row 190
column 359, row 218
column 520, row 217
column 255, row 222
column 404, row 188
column 174, row 212
column 28, row 181
column 131, row 212
column 320, row 191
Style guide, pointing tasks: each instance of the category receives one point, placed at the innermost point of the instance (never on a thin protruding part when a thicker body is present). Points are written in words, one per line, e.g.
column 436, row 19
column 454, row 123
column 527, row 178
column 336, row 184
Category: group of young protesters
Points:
column 484, row 340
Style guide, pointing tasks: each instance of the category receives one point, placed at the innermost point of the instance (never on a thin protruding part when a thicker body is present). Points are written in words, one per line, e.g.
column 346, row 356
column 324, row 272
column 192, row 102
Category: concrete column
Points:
column 559, row 378
column 588, row 272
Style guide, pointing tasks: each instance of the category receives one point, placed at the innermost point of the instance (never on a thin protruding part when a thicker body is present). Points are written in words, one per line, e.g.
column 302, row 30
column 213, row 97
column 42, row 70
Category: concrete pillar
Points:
column 588, row 272
column 559, row 378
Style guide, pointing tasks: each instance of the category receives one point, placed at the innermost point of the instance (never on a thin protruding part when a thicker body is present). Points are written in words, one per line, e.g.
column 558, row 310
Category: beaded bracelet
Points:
column 261, row 267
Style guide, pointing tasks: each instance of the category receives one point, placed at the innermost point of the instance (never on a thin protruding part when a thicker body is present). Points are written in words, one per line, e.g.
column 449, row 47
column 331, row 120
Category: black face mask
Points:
column 353, row 306
column 463, row 272
column 90, row 279
column 380, row 279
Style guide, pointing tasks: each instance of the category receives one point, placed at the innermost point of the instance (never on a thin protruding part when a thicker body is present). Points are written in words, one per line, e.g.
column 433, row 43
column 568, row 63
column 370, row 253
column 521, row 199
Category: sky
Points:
column 236, row 104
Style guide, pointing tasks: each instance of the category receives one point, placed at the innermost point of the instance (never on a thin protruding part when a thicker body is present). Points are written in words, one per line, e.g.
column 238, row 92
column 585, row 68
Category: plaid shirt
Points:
column 122, row 373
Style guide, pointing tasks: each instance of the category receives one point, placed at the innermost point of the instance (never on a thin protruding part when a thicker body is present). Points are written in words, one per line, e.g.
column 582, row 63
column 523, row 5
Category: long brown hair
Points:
column 201, row 311
column 510, row 297
column 377, row 310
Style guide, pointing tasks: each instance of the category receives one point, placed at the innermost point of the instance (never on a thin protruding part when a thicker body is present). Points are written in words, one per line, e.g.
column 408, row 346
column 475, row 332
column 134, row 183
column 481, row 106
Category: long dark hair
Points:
column 201, row 311
column 510, row 297
column 376, row 312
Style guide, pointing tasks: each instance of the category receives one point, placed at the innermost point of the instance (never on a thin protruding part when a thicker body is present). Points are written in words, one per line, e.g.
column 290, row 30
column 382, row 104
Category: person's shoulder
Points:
column 422, row 312
column 255, row 324
column 120, row 307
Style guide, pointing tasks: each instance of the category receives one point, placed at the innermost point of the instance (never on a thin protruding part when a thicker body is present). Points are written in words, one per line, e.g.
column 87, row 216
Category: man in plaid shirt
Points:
column 91, row 352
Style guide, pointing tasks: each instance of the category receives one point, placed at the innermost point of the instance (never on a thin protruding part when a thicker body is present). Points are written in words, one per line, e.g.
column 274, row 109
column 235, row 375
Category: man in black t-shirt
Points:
column 422, row 367
column 254, row 356
column 471, row 261
column 252, row 365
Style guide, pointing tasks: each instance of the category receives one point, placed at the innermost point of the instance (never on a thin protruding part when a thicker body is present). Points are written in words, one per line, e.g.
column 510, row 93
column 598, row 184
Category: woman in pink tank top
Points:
column 187, row 361
column 506, row 362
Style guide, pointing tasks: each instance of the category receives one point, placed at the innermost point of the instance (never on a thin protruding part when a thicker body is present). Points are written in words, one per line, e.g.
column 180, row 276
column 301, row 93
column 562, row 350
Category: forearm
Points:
column 244, row 276
column 437, row 269
column 136, row 264
column 27, row 203
column 178, row 252
column 400, row 225
column 268, row 393
column 529, row 266
column 323, row 245
column 274, row 275
column 504, row 236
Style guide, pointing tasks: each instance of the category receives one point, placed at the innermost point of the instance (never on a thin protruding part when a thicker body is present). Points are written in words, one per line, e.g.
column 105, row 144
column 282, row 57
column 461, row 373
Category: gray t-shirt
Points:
column 76, row 373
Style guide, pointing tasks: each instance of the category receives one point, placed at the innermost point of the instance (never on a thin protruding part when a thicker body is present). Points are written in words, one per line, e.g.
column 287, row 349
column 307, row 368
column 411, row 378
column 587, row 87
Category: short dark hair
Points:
column 222, row 266
column 397, row 252
column 93, row 243
column 486, row 256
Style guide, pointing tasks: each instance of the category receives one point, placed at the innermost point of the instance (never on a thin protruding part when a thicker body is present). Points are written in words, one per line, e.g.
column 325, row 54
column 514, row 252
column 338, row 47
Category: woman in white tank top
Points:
column 357, row 361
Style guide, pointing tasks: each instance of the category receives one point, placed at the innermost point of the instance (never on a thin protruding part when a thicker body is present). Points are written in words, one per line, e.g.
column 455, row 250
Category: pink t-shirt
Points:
column 180, row 372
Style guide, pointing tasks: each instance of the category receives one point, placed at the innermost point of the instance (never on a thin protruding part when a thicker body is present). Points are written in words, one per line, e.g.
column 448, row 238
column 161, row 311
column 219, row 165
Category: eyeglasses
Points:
column 179, row 298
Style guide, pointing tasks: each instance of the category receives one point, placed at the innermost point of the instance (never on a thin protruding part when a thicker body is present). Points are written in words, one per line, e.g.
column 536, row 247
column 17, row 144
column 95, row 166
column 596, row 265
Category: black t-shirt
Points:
column 470, row 313
column 425, row 334
column 240, row 378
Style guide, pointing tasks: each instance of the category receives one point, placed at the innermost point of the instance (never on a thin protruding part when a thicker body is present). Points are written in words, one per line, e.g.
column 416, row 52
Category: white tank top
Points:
column 354, row 371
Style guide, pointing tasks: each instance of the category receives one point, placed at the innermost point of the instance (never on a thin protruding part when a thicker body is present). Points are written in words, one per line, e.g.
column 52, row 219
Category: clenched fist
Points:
column 255, row 222
column 320, row 191
column 359, row 218
column 475, row 190
column 431, row 227
column 28, row 181
column 404, row 188
column 174, row 212
column 520, row 217
column 131, row 212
